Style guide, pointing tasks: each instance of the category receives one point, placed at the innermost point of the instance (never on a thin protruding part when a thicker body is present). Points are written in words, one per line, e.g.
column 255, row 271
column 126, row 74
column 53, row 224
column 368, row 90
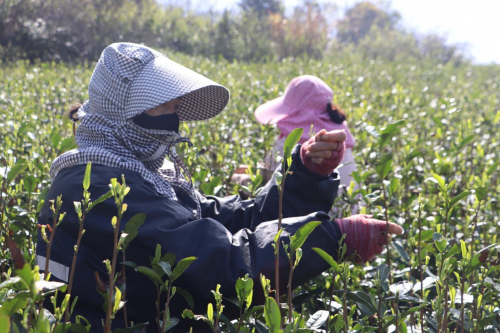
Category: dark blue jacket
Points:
column 233, row 238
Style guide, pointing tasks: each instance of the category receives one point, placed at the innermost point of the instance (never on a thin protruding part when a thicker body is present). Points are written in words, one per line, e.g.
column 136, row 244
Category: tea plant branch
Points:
column 158, row 305
column 81, row 217
column 419, row 253
column 344, row 298
column 294, row 250
column 290, row 142
column 244, row 291
column 119, row 191
column 82, row 208
column 386, row 216
column 131, row 231
column 166, row 311
column 55, row 223
column 330, row 300
column 277, row 256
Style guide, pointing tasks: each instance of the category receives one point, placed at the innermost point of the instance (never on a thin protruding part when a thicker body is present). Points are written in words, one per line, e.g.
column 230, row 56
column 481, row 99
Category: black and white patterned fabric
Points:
column 128, row 80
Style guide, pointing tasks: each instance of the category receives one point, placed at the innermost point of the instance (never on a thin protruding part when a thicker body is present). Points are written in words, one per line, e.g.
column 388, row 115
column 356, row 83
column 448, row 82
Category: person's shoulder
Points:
column 99, row 175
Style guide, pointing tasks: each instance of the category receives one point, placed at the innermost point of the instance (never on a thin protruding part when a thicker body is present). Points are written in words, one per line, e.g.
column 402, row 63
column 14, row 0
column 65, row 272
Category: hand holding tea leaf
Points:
column 366, row 236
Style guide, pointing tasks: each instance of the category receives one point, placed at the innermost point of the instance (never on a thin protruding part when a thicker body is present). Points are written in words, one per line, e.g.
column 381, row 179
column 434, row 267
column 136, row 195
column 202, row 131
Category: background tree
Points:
column 361, row 18
column 262, row 7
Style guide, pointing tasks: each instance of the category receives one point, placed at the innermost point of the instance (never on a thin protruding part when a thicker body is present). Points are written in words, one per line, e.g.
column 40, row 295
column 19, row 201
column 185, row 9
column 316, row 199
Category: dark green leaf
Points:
column 134, row 329
column 384, row 166
column 67, row 144
column 150, row 274
column 459, row 197
column 132, row 228
column 187, row 296
column 129, row 264
column 12, row 305
column 15, row 170
column 30, row 183
column 402, row 252
column 481, row 193
column 170, row 258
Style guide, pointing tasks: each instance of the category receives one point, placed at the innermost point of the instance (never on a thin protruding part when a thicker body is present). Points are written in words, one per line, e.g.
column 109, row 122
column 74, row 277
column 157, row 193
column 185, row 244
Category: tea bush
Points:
column 428, row 158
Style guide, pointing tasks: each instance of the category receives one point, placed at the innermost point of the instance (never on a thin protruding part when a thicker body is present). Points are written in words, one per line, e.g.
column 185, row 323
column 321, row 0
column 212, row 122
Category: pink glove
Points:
column 328, row 165
column 364, row 236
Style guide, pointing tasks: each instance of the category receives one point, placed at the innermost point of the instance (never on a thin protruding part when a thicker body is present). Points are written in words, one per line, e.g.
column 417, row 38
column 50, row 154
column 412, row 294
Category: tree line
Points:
column 259, row 30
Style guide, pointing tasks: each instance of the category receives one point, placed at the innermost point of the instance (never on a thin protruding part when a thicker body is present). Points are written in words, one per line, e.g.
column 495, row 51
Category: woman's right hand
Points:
column 365, row 236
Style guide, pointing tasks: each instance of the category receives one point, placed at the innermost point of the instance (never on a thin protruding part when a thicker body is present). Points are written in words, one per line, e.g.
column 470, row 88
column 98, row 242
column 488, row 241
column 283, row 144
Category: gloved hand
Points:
column 366, row 236
column 324, row 152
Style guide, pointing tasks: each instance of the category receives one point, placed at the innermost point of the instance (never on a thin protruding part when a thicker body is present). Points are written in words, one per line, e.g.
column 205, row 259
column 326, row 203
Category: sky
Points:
column 474, row 24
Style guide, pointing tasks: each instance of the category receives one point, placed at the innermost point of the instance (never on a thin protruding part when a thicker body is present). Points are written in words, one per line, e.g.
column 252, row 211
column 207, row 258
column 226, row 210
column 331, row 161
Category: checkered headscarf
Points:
column 128, row 80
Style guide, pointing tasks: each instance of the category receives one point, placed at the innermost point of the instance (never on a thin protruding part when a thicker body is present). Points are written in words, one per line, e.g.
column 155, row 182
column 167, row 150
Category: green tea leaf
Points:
column 300, row 236
column 86, row 178
column 459, row 197
column 272, row 315
column 440, row 242
column 150, row 274
column 317, row 319
column 481, row 193
column 118, row 298
column 4, row 323
column 13, row 305
column 244, row 288
column 210, row 312
column 290, row 142
column 441, row 183
column 132, row 228
column 384, row 166
column 103, row 197
column 30, row 183
column 16, row 170
column 328, row 258
column 181, row 266
column 165, row 266
column 187, row 296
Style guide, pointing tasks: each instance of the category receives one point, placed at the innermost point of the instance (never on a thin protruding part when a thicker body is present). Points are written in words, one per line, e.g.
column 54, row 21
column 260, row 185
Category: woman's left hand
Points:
column 324, row 145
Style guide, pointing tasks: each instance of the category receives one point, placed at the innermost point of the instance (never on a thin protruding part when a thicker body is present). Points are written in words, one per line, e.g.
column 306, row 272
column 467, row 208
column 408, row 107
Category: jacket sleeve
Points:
column 305, row 192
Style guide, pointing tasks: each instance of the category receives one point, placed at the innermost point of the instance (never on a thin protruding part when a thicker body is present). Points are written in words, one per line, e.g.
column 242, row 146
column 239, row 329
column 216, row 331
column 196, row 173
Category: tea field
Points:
column 428, row 157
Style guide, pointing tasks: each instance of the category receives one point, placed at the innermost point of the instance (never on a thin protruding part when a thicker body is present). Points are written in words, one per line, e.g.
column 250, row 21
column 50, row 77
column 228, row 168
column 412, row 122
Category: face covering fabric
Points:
column 165, row 122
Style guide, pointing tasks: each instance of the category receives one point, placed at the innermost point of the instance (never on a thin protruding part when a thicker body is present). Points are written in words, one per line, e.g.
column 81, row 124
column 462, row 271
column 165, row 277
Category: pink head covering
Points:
column 303, row 104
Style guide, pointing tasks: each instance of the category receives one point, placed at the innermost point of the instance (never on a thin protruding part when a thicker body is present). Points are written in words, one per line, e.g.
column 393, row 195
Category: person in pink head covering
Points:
column 307, row 103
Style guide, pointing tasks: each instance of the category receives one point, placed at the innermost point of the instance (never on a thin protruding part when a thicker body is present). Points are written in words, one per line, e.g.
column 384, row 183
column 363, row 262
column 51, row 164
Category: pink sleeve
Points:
column 328, row 165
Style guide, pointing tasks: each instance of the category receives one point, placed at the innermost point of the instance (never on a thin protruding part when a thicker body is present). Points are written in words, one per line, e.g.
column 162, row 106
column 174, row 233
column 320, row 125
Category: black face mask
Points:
column 165, row 122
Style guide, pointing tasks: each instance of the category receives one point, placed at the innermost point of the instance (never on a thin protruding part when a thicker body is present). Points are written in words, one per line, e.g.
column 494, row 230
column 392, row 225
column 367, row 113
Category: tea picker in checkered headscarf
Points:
column 137, row 97
column 130, row 82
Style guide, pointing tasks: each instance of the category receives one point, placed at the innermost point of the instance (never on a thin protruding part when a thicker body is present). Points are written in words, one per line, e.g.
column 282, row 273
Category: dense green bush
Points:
column 428, row 155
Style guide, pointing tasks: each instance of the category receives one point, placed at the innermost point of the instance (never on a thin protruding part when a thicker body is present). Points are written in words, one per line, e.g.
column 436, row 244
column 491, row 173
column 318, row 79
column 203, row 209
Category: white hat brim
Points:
column 162, row 80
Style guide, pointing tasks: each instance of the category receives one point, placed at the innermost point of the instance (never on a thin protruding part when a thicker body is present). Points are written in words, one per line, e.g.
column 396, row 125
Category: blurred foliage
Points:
column 259, row 30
